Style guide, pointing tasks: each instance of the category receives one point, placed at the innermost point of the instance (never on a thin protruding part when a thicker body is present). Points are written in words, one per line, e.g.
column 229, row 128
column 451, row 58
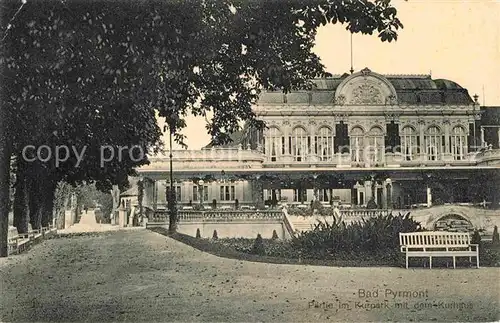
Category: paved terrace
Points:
column 142, row 276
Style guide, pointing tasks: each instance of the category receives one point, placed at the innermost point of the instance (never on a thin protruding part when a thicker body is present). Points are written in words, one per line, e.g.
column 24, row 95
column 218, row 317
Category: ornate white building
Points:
column 399, row 140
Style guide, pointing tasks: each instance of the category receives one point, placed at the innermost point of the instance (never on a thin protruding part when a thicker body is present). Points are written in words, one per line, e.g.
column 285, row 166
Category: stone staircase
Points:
column 88, row 223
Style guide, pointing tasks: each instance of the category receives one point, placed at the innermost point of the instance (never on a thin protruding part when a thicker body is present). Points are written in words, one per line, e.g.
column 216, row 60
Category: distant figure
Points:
column 86, row 209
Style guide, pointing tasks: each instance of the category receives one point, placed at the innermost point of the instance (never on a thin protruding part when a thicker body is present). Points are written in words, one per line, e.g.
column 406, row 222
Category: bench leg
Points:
column 477, row 260
column 430, row 262
column 406, row 261
column 454, row 262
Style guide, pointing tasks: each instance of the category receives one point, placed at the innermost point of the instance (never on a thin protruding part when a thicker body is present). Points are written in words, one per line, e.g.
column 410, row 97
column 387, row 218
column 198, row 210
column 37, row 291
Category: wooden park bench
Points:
column 19, row 242
column 438, row 244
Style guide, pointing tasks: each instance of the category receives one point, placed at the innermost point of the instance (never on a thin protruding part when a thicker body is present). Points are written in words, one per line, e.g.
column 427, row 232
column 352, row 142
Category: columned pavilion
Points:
column 400, row 141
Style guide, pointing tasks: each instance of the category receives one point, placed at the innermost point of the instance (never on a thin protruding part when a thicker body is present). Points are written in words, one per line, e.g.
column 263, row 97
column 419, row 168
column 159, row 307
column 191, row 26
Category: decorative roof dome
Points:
column 444, row 84
column 409, row 89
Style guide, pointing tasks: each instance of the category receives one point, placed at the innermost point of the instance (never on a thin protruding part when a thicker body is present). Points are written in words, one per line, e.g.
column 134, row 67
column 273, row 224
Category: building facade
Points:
column 363, row 140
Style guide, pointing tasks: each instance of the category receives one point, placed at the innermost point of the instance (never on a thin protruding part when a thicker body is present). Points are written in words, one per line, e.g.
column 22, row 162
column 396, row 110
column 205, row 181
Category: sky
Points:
column 457, row 40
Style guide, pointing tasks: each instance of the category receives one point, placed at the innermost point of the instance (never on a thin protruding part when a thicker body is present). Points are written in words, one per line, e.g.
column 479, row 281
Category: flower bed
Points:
column 372, row 242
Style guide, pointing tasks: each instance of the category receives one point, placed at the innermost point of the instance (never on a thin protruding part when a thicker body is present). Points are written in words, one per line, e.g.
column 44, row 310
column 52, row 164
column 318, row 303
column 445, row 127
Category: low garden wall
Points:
column 235, row 229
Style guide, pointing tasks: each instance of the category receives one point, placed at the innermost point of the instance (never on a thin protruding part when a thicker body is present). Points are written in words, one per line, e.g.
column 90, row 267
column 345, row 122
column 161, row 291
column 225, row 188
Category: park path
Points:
column 140, row 275
column 88, row 223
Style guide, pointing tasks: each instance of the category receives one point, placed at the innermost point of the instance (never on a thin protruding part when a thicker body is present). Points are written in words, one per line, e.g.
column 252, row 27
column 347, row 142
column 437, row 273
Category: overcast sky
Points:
column 457, row 40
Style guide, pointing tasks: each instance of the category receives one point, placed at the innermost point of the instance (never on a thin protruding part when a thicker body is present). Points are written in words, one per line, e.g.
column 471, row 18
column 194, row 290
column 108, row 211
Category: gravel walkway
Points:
column 142, row 276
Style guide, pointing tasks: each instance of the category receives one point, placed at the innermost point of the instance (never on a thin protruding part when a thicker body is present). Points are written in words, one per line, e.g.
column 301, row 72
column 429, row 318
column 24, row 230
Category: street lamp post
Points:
column 172, row 227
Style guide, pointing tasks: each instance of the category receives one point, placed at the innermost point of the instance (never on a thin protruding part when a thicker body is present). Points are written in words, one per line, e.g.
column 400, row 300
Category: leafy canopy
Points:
column 93, row 73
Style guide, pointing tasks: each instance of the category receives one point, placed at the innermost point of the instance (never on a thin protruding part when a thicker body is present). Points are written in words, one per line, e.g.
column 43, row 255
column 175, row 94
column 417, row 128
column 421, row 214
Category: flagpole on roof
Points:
column 352, row 68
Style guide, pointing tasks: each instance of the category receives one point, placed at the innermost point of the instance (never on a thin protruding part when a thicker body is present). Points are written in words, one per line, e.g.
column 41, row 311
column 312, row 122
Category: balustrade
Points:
column 219, row 215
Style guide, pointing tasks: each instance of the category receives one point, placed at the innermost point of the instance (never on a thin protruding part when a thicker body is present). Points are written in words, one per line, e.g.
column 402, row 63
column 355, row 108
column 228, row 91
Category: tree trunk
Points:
column 48, row 204
column 5, row 153
column 35, row 203
column 21, row 212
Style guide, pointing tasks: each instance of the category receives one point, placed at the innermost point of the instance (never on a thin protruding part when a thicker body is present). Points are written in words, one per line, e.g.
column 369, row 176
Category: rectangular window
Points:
column 195, row 193
column 178, row 195
column 177, row 190
column 491, row 137
column 227, row 193
column 205, row 193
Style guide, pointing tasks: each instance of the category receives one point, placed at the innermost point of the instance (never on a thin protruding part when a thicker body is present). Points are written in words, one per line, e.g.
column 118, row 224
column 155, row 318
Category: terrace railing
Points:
column 161, row 216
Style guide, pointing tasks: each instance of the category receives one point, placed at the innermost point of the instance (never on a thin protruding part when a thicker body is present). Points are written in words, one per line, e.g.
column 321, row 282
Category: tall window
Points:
column 324, row 144
column 375, row 145
column 274, row 194
column 324, row 194
column 275, row 144
column 227, row 193
column 458, row 143
column 409, row 143
column 177, row 190
column 433, row 143
column 299, row 144
column 299, row 195
column 356, row 140
column 195, row 193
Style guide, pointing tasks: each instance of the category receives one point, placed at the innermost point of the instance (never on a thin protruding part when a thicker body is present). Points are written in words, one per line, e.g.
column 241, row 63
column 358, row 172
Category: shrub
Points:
column 476, row 237
column 198, row 234
column 371, row 204
column 496, row 237
column 258, row 246
column 215, row 236
column 373, row 235
column 316, row 205
column 275, row 235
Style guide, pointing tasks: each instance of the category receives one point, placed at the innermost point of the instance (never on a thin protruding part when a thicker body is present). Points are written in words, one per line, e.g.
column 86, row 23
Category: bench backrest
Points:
column 435, row 239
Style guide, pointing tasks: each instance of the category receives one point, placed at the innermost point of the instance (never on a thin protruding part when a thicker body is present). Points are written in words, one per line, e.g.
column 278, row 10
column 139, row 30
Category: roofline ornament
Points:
column 366, row 71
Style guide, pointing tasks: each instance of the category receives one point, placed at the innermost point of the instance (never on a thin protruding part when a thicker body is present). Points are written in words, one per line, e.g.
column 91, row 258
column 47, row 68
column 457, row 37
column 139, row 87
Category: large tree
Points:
column 78, row 73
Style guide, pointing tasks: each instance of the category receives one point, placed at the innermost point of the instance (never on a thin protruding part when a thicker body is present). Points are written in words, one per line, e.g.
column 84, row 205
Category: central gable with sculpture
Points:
column 365, row 88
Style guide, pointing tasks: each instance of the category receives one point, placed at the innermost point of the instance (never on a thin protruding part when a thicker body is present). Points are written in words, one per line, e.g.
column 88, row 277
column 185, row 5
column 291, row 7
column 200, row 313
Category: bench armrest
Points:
column 13, row 240
column 474, row 245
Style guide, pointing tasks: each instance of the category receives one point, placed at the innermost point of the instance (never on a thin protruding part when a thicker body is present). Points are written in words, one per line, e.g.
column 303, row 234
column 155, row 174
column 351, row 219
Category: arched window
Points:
column 299, row 144
column 433, row 143
column 458, row 143
column 409, row 143
column 356, row 140
column 375, row 149
column 274, row 144
column 324, row 144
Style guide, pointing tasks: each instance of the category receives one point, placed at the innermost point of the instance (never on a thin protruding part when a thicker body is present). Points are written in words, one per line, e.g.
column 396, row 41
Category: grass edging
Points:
column 222, row 251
